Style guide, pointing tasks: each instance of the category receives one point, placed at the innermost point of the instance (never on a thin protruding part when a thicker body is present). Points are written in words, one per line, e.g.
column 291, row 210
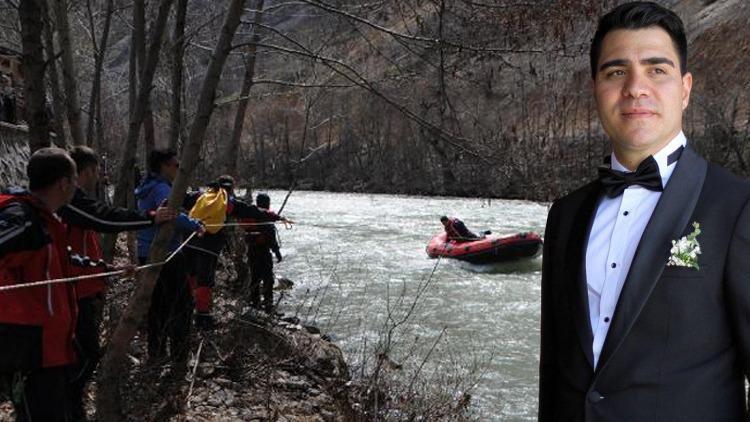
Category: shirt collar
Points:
column 665, row 169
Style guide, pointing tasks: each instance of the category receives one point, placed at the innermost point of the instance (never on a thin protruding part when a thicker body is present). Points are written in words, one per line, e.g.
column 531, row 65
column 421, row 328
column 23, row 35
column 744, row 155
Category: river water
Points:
column 353, row 256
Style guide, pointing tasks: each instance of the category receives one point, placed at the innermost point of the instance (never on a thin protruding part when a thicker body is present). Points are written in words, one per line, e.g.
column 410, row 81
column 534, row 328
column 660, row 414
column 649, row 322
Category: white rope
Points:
column 136, row 269
column 98, row 275
column 269, row 223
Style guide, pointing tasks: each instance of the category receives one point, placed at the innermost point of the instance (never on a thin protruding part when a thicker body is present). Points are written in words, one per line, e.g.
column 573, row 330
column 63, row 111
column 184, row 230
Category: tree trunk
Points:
column 178, row 52
column 139, row 30
column 96, row 86
column 247, row 83
column 30, row 13
column 115, row 360
column 137, row 114
column 68, row 70
column 58, row 102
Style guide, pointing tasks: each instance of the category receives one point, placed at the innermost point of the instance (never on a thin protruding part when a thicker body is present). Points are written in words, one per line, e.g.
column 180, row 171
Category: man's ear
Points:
column 687, row 86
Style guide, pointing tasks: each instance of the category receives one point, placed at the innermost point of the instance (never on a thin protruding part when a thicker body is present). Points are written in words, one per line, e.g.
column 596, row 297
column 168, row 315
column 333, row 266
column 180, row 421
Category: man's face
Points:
column 88, row 178
column 170, row 168
column 66, row 188
column 639, row 90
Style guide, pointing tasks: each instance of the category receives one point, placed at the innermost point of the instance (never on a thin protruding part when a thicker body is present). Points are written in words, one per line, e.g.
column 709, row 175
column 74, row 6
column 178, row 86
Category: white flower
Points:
column 685, row 251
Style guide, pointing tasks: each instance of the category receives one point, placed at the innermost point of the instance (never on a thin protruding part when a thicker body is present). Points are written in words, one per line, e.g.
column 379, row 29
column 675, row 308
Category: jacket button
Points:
column 595, row 397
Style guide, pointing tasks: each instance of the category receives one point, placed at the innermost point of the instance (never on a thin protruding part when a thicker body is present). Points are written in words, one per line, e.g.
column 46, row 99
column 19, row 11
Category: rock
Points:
column 291, row 320
column 283, row 283
column 311, row 329
column 327, row 416
column 222, row 382
column 217, row 398
column 229, row 400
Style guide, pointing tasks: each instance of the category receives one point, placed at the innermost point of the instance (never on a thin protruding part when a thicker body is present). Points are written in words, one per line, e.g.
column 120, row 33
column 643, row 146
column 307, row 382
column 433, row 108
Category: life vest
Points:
column 451, row 229
column 211, row 209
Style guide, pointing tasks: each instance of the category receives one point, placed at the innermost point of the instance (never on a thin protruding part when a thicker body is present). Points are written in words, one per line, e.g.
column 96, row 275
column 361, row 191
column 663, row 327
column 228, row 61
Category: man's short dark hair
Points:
column 84, row 157
column 47, row 166
column 225, row 181
column 158, row 157
column 262, row 200
column 443, row 219
column 640, row 15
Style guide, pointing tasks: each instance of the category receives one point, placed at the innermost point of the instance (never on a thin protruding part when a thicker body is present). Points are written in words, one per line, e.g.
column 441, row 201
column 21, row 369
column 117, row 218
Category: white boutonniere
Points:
column 685, row 251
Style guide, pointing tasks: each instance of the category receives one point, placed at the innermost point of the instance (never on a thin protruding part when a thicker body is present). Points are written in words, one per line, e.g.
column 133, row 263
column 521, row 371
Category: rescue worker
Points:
column 261, row 241
column 85, row 216
column 171, row 303
column 37, row 324
column 214, row 207
column 457, row 230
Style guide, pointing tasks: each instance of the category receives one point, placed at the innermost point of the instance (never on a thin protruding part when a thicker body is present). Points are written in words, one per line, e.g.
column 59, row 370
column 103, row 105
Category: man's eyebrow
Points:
column 658, row 60
column 624, row 62
column 613, row 63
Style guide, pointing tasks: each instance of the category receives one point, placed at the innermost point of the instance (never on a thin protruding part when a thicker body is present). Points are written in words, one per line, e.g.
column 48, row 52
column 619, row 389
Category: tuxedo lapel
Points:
column 668, row 222
column 575, row 267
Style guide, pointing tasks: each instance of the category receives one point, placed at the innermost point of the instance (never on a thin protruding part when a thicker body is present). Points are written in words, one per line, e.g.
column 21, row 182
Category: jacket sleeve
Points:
column 91, row 214
column 18, row 231
column 184, row 223
column 548, row 370
column 244, row 210
column 737, row 273
column 274, row 240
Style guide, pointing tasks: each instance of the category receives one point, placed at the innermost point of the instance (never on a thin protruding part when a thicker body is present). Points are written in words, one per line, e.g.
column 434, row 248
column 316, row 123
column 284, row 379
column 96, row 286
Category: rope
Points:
column 136, row 269
column 98, row 275
column 269, row 223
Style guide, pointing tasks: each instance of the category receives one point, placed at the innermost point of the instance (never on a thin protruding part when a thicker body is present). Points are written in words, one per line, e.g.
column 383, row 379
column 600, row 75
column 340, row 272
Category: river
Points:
column 353, row 255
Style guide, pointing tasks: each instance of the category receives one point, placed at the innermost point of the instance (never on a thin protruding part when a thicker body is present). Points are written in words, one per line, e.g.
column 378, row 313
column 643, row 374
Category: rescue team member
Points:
column 171, row 302
column 37, row 323
column 85, row 216
column 261, row 240
column 213, row 207
column 457, row 230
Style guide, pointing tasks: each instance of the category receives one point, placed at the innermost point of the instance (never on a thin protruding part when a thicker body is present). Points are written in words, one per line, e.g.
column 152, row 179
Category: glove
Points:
column 278, row 255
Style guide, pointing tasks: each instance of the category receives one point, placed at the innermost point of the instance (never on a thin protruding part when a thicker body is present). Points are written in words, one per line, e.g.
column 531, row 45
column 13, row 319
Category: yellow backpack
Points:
column 211, row 209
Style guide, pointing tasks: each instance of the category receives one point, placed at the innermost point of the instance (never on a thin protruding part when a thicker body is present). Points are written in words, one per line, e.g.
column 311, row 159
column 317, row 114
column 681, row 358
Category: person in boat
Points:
column 457, row 230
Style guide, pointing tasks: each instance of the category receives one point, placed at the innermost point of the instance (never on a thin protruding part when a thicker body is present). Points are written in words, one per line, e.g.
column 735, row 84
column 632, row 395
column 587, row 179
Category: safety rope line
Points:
column 136, row 269
column 269, row 223
column 98, row 275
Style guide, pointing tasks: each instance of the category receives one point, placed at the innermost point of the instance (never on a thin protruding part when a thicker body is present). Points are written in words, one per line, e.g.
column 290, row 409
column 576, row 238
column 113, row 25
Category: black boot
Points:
column 204, row 321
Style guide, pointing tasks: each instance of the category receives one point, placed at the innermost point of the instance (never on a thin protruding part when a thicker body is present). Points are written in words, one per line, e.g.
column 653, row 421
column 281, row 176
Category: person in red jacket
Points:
column 37, row 323
column 86, row 218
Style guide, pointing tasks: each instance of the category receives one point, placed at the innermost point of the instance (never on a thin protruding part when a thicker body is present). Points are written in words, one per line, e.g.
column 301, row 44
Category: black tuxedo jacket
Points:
column 678, row 348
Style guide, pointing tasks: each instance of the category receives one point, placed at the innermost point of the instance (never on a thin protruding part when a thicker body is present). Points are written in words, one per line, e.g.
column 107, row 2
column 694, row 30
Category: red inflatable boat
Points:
column 489, row 249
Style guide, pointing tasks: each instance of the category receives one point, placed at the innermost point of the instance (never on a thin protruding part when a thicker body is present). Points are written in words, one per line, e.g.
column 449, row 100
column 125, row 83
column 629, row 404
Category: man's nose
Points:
column 636, row 85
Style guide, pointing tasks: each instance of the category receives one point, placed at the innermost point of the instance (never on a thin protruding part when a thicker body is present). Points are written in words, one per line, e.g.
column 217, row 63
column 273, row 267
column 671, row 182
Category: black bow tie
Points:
column 647, row 175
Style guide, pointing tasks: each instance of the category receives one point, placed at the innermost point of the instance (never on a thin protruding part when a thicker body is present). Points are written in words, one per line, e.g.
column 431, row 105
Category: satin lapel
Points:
column 575, row 268
column 668, row 222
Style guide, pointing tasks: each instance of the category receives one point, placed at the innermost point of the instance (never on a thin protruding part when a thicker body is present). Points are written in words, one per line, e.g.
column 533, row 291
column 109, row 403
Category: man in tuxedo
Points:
column 633, row 329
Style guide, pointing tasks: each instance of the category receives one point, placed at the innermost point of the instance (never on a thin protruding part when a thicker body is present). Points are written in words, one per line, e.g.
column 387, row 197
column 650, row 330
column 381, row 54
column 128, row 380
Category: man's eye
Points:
column 660, row 71
column 618, row 72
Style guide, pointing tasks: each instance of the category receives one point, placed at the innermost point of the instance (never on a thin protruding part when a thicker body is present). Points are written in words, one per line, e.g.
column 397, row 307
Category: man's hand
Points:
column 201, row 230
column 164, row 214
column 286, row 221
column 278, row 255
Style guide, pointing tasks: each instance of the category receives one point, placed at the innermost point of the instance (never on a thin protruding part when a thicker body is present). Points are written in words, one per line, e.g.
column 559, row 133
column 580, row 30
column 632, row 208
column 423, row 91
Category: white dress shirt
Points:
column 615, row 234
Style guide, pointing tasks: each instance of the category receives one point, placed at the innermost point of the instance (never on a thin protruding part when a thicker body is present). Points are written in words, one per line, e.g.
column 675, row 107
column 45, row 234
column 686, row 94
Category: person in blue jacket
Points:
column 171, row 302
